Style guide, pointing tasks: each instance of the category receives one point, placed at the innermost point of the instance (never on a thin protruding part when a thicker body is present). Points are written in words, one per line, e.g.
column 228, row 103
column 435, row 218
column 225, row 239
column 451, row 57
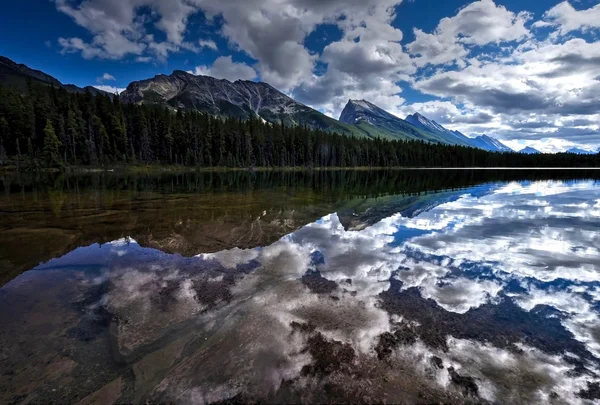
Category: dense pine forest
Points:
column 45, row 127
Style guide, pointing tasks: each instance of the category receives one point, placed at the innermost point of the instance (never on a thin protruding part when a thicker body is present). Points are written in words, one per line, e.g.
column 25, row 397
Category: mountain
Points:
column 490, row 144
column 529, row 151
column 378, row 122
column 579, row 151
column 182, row 90
column 445, row 135
column 15, row 74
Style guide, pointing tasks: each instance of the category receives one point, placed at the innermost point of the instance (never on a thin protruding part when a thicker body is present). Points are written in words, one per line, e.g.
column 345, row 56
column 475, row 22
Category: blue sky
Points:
column 526, row 72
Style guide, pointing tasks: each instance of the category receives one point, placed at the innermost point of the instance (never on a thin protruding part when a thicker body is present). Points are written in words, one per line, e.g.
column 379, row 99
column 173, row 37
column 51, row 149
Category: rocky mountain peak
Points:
column 363, row 110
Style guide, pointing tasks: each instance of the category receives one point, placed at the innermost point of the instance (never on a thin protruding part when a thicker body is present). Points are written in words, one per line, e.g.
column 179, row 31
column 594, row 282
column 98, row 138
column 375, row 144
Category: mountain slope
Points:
column 490, row 144
column 375, row 120
column 16, row 75
column 379, row 123
column 529, row 151
column 446, row 136
column 579, row 151
column 457, row 138
column 182, row 90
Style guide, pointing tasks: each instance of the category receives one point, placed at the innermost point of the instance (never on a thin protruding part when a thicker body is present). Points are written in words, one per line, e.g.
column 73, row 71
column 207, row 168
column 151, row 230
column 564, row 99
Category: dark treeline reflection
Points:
column 333, row 183
column 46, row 215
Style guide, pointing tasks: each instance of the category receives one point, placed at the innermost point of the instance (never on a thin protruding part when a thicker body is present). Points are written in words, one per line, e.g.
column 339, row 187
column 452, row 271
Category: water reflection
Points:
column 479, row 294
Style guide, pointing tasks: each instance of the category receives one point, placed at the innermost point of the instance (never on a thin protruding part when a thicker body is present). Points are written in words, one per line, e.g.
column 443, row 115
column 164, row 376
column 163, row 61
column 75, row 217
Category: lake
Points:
column 405, row 286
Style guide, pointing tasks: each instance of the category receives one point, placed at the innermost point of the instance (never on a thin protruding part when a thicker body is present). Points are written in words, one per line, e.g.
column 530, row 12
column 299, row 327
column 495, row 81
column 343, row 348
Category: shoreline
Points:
column 181, row 169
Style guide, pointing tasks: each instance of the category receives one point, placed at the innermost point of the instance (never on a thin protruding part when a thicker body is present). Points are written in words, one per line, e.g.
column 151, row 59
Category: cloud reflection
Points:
column 536, row 244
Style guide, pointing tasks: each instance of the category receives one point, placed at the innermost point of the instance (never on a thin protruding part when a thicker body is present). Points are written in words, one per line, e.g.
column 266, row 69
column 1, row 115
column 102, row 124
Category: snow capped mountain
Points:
column 529, row 151
column 579, row 151
column 490, row 144
column 240, row 99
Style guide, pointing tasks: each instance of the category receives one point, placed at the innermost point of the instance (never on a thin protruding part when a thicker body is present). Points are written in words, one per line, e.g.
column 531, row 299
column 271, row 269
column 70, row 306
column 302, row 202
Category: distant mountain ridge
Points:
column 15, row 74
column 370, row 117
column 529, row 151
column 490, row 144
column 241, row 99
column 579, row 151
column 375, row 120
column 450, row 137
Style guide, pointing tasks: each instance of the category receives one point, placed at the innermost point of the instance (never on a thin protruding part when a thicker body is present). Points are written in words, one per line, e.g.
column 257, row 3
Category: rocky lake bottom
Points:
column 335, row 287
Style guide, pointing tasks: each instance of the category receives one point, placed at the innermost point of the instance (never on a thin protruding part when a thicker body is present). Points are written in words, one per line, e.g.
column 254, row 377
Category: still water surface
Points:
column 396, row 287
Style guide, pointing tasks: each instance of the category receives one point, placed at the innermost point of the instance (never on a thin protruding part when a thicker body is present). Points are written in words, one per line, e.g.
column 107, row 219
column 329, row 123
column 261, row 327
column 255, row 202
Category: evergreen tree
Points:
column 83, row 129
column 51, row 146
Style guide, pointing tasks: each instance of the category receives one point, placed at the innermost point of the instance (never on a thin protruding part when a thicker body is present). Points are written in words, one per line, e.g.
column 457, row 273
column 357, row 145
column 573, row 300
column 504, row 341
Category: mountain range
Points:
column 17, row 75
column 579, row 151
column 367, row 116
column 241, row 99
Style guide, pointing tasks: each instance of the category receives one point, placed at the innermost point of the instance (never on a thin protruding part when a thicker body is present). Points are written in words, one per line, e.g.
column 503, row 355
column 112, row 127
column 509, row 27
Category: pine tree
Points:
column 51, row 146
column 89, row 128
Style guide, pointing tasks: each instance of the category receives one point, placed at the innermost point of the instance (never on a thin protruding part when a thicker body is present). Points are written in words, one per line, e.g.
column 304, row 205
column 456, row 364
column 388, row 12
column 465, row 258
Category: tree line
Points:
column 46, row 127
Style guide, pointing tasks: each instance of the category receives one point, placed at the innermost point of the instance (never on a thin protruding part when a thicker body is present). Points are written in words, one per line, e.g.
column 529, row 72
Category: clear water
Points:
column 397, row 287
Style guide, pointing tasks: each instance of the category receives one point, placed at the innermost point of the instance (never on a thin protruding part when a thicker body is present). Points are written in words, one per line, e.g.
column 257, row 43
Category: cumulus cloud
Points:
column 565, row 18
column 367, row 63
column 533, row 93
column 520, row 76
column 479, row 23
column 119, row 28
column 225, row 68
column 105, row 78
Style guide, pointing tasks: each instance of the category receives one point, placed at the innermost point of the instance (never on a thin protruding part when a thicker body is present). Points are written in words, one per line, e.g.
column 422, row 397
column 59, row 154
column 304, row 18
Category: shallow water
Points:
column 396, row 287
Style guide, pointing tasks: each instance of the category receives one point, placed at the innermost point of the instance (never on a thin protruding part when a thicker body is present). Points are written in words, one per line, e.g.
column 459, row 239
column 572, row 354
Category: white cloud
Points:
column 271, row 31
column 519, row 79
column 208, row 44
column 119, row 28
column 105, row 78
column 479, row 23
column 366, row 63
column 483, row 22
column 225, row 68
column 436, row 49
column 538, row 91
column 567, row 19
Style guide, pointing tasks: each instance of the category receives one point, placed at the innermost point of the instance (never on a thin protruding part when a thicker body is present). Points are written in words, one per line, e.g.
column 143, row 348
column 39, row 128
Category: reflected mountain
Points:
column 308, row 288
column 192, row 213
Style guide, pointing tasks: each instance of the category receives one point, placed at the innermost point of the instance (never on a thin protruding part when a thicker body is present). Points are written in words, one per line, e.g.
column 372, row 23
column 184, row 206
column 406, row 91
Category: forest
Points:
column 45, row 127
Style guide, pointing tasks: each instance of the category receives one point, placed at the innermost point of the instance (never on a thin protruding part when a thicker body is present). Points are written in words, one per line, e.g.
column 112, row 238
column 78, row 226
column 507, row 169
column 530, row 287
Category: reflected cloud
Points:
column 490, row 294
